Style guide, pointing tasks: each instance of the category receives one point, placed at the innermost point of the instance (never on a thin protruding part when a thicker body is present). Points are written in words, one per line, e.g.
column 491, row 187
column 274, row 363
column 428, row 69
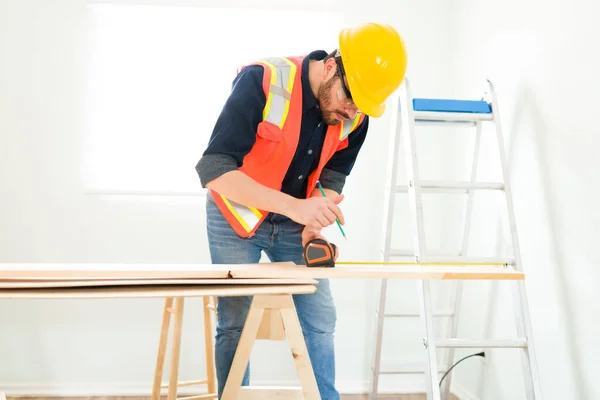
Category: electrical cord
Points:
column 482, row 354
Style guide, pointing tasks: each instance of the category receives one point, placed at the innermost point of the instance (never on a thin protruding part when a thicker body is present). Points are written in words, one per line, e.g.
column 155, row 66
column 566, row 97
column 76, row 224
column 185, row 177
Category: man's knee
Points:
column 232, row 313
column 325, row 322
column 316, row 311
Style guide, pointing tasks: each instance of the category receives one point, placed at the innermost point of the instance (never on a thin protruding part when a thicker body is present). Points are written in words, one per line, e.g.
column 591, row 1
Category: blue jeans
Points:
column 281, row 240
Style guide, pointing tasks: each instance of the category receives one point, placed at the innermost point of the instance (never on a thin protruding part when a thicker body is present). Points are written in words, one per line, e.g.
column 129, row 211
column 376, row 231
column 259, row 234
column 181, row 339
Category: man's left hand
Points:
column 309, row 234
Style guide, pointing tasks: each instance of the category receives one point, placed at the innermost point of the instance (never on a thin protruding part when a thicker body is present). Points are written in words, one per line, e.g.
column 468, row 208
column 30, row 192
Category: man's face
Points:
column 334, row 102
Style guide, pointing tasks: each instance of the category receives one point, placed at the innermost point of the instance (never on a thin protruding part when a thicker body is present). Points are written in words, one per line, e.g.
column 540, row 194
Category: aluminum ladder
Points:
column 417, row 111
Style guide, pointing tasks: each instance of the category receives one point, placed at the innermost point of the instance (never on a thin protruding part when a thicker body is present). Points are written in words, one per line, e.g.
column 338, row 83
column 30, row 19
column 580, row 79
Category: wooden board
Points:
column 365, row 271
column 83, row 271
column 35, row 284
column 283, row 270
column 146, row 291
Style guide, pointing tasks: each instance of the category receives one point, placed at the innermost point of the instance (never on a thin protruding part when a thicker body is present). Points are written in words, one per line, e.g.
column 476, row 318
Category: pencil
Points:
column 336, row 220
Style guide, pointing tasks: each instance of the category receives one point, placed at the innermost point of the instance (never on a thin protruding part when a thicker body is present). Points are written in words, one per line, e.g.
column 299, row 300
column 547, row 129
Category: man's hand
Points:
column 316, row 212
column 309, row 234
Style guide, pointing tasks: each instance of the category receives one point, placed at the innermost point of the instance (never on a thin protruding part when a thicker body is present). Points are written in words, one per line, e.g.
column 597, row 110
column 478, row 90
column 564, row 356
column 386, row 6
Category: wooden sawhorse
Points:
column 271, row 316
column 269, row 296
column 177, row 312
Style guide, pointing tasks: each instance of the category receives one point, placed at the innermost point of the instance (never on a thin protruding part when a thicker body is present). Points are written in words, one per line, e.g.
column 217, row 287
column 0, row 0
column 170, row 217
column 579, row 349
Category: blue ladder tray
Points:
column 457, row 106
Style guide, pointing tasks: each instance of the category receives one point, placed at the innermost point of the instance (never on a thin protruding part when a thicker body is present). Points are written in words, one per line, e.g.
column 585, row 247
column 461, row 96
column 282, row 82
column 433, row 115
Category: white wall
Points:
column 109, row 346
column 540, row 56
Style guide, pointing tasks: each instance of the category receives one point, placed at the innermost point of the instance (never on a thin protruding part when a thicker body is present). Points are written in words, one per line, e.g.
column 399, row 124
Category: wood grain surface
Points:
column 151, row 291
column 285, row 270
column 367, row 271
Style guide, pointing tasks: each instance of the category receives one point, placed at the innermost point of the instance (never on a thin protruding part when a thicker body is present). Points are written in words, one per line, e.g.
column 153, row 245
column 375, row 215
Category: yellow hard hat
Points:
column 374, row 58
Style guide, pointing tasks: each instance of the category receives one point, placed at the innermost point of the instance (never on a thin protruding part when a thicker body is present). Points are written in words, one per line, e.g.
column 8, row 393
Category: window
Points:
column 157, row 77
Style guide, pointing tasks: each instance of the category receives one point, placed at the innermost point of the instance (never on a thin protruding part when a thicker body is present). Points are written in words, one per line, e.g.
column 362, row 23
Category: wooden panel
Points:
column 285, row 270
column 154, row 291
column 375, row 271
column 34, row 284
column 112, row 271
column 78, row 271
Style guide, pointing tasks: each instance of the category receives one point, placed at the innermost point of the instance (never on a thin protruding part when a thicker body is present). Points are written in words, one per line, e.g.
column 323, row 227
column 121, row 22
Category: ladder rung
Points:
column 463, row 186
column 408, row 368
column 482, row 343
column 448, row 313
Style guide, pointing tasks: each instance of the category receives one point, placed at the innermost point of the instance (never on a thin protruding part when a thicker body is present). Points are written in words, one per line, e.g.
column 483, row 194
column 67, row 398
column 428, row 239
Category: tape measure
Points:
column 320, row 253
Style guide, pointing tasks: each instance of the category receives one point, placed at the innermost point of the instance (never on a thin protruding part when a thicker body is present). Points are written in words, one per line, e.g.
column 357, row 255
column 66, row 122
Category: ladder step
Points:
column 482, row 343
column 452, row 105
column 463, row 186
column 415, row 368
column 444, row 110
column 447, row 313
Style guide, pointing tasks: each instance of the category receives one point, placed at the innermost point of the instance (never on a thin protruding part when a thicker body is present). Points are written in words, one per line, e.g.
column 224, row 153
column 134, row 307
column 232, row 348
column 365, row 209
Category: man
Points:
column 287, row 123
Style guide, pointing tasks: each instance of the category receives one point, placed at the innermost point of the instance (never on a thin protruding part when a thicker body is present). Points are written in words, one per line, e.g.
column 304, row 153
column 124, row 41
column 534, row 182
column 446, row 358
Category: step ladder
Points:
column 442, row 112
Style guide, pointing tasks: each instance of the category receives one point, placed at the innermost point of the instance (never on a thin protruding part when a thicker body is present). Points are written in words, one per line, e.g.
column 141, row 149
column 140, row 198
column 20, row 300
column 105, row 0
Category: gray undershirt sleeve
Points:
column 332, row 180
column 211, row 166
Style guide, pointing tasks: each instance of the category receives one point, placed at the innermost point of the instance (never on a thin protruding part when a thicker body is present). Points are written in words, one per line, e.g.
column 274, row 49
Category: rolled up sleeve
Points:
column 234, row 132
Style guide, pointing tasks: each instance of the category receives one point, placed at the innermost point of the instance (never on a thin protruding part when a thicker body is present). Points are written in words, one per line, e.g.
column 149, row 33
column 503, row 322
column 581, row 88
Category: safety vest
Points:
column 276, row 141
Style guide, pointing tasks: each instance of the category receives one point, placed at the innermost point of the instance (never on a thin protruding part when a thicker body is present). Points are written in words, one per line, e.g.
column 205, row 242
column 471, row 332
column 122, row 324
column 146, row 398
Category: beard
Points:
column 329, row 115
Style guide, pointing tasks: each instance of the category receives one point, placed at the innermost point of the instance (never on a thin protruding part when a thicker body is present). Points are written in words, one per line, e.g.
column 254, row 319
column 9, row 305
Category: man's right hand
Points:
column 317, row 212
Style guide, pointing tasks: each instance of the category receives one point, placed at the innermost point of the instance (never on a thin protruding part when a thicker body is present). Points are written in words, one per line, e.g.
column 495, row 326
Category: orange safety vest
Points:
column 276, row 141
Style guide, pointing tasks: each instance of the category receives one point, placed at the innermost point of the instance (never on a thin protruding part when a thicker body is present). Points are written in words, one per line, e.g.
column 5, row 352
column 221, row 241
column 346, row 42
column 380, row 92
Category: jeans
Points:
column 281, row 240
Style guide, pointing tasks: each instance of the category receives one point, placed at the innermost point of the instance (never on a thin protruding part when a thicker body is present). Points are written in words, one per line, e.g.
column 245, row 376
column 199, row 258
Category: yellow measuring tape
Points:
column 421, row 263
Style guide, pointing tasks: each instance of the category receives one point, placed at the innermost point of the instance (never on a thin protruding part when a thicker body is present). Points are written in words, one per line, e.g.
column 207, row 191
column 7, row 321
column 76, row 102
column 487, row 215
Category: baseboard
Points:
column 144, row 388
column 463, row 393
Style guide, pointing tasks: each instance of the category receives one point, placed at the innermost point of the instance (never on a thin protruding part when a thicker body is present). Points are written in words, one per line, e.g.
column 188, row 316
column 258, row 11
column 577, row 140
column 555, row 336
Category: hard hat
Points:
column 374, row 58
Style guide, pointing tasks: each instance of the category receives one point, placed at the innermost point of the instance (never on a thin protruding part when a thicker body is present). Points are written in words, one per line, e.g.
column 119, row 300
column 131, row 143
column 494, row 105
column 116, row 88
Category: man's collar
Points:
column 308, row 98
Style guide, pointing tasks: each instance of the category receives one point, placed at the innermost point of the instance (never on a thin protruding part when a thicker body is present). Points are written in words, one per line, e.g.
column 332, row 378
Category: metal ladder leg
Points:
column 414, row 193
column 521, row 306
column 393, row 150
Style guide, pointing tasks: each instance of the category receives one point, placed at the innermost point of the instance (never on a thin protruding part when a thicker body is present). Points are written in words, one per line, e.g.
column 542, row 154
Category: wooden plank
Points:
column 154, row 291
column 283, row 270
column 35, row 284
column 376, row 271
column 112, row 271
column 88, row 271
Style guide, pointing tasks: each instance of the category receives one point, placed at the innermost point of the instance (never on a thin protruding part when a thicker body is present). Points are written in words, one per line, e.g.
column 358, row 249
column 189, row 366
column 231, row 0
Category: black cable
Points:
column 482, row 354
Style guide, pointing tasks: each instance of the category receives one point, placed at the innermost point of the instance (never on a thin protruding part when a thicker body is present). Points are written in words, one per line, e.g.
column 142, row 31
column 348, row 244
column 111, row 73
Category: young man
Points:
column 288, row 123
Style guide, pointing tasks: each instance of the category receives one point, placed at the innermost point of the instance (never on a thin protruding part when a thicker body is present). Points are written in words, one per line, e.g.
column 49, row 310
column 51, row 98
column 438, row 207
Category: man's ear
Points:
column 329, row 69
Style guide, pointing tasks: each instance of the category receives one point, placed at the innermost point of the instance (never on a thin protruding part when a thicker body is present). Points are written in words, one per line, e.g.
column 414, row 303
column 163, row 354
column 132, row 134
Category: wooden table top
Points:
column 153, row 291
column 52, row 275
column 376, row 271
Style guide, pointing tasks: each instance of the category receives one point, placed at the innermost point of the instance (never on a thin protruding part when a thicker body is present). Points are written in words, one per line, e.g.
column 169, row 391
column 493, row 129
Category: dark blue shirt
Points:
column 234, row 135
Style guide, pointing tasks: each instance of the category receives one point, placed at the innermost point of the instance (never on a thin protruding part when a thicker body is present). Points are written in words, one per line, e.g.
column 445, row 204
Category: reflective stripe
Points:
column 348, row 126
column 283, row 73
column 248, row 217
